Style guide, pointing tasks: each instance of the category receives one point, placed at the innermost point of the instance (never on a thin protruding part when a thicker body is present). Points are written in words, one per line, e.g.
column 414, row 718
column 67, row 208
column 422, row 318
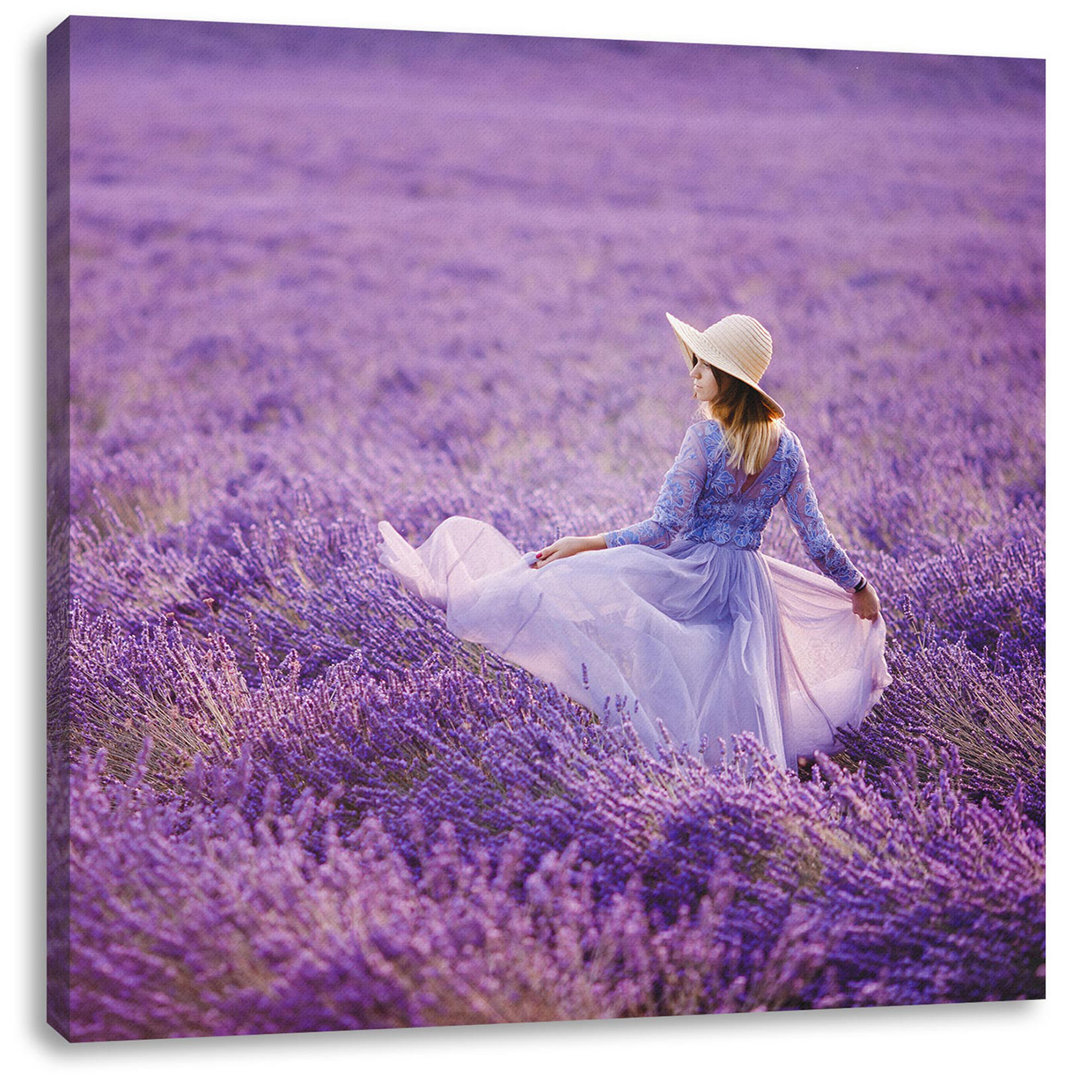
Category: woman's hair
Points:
column 749, row 423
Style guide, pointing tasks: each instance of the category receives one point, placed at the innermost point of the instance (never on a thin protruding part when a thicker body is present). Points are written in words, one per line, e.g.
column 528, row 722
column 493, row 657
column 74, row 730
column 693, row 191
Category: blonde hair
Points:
column 749, row 422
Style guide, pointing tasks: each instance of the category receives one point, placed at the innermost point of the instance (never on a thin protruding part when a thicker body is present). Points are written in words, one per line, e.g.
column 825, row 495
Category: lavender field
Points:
column 320, row 278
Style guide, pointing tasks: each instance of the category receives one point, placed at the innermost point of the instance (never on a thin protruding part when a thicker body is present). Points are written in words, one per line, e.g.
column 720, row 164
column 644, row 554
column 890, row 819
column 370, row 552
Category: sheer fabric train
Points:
column 681, row 620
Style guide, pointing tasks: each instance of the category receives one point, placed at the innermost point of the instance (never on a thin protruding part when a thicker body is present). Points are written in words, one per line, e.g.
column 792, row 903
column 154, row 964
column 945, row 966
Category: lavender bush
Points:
column 320, row 278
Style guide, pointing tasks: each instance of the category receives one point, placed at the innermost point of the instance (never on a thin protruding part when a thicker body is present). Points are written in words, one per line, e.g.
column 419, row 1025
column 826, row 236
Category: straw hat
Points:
column 737, row 344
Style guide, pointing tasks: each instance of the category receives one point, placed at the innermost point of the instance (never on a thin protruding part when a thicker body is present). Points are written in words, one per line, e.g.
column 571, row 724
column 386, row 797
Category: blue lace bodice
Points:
column 702, row 499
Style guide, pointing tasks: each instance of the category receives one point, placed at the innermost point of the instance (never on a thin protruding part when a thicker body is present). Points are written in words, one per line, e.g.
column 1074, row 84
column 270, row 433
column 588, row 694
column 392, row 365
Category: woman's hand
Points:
column 865, row 603
column 566, row 546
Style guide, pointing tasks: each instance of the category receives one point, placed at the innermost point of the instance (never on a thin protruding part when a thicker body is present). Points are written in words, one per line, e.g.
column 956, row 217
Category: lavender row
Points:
column 679, row 892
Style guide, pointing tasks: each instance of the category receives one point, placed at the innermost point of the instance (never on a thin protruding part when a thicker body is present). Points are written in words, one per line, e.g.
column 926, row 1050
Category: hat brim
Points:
column 694, row 343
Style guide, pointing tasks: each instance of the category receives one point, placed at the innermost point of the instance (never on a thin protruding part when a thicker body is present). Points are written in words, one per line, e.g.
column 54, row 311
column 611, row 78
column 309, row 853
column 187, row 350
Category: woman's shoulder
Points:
column 792, row 439
column 706, row 433
column 706, row 429
column 794, row 455
column 702, row 427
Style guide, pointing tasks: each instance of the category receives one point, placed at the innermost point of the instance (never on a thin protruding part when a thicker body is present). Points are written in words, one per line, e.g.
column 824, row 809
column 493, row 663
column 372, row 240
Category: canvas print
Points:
column 539, row 529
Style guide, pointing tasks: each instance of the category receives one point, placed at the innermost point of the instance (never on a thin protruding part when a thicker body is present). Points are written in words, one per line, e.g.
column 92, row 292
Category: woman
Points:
column 678, row 623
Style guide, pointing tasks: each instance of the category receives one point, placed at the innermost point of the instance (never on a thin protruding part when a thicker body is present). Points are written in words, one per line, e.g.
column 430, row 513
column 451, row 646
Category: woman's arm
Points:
column 566, row 546
column 829, row 557
column 678, row 494
column 865, row 603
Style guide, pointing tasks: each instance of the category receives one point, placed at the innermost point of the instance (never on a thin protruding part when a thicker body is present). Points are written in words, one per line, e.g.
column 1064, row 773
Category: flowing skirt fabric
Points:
column 706, row 640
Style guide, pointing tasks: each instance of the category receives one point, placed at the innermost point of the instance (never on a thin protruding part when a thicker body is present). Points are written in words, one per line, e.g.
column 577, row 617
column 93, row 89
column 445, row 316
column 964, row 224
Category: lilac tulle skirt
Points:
column 706, row 640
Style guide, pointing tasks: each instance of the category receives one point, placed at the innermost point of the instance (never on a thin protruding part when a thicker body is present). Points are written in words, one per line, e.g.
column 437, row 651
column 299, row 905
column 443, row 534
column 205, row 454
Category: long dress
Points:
column 680, row 624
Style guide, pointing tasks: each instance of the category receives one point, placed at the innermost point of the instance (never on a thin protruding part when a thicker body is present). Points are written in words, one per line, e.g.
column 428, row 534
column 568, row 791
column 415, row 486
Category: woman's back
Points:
column 733, row 507
column 703, row 499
